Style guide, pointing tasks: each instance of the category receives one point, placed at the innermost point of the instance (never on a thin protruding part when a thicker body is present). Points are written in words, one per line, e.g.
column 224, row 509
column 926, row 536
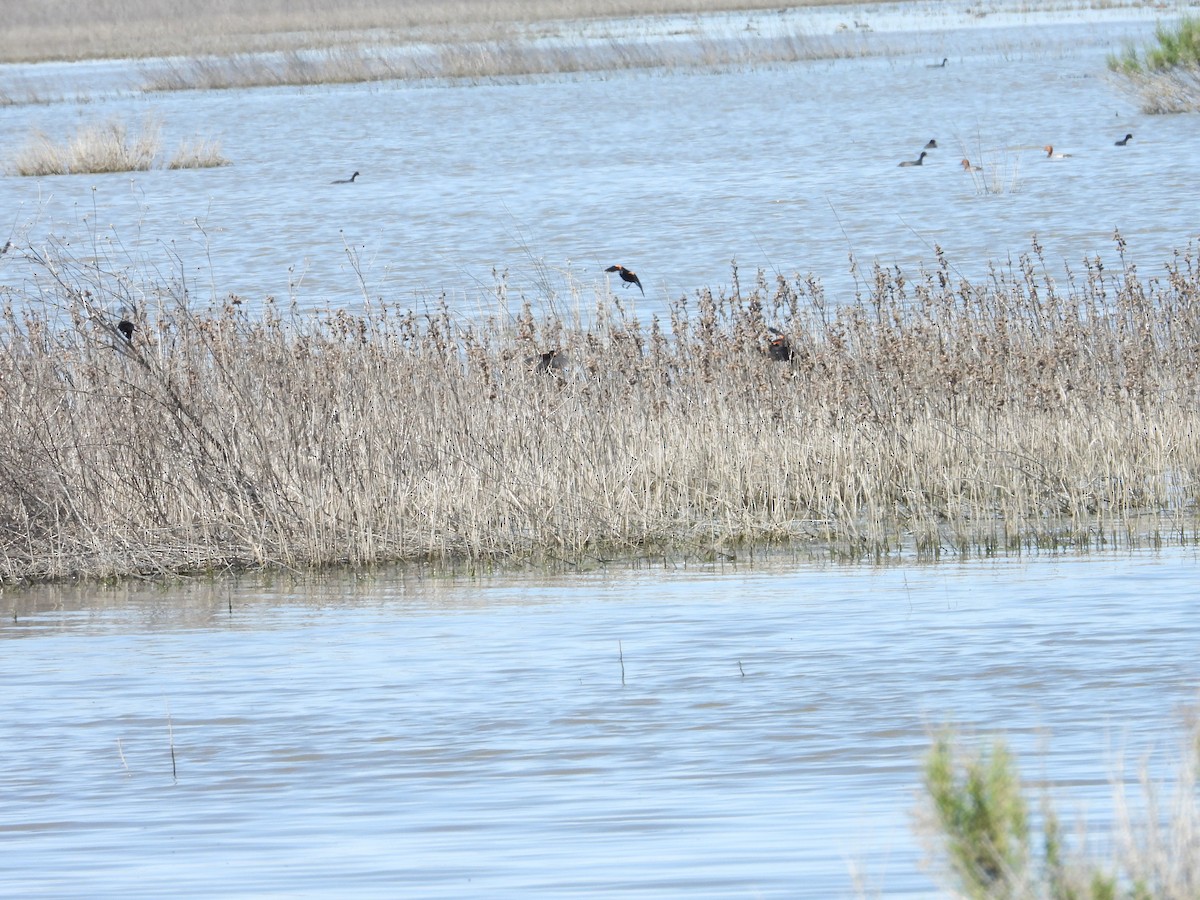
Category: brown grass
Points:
column 36, row 30
column 110, row 147
column 930, row 416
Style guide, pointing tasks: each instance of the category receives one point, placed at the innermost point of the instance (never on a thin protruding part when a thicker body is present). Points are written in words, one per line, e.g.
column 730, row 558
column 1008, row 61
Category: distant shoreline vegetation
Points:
column 929, row 416
column 110, row 147
column 43, row 30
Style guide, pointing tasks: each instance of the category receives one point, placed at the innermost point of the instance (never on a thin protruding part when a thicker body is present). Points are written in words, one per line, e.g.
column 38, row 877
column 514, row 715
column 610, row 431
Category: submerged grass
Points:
column 930, row 415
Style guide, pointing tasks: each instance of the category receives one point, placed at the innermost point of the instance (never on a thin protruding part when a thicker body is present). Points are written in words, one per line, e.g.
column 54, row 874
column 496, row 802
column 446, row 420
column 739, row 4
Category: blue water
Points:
column 715, row 733
column 791, row 168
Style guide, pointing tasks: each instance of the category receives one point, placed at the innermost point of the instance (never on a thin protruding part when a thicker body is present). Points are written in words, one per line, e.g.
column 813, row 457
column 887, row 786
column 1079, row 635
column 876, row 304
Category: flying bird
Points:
column 349, row 180
column 1125, row 140
column 627, row 276
column 920, row 160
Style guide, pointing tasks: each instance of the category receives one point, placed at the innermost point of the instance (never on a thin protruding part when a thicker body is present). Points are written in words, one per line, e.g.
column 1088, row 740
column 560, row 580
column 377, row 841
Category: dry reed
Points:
column 930, row 416
column 110, row 147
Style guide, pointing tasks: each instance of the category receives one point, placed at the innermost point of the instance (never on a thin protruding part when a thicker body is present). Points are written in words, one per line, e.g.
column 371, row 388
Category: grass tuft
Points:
column 977, row 814
column 109, row 147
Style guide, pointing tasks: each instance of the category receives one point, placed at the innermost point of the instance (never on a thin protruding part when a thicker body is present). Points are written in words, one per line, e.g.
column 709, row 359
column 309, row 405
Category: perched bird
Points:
column 349, row 180
column 940, row 65
column 779, row 348
column 1050, row 154
column 126, row 328
column 969, row 167
column 551, row 362
column 932, row 145
column 627, row 276
column 920, row 160
column 1125, row 140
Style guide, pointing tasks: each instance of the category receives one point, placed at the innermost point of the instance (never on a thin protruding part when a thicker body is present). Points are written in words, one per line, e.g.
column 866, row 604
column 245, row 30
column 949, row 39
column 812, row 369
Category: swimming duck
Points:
column 627, row 276
column 969, row 167
column 1050, row 154
column 920, row 160
column 1125, row 140
column 932, row 145
column 349, row 180
column 940, row 65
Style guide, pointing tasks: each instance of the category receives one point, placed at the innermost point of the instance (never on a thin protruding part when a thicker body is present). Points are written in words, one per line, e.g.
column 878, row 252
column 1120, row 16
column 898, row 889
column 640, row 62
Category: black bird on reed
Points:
column 349, row 180
column 627, row 276
column 920, row 160
column 779, row 348
column 1125, row 140
column 552, row 362
column 126, row 328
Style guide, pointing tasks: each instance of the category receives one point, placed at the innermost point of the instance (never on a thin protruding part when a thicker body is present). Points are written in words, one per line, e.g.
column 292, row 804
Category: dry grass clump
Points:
column 109, row 147
column 931, row 416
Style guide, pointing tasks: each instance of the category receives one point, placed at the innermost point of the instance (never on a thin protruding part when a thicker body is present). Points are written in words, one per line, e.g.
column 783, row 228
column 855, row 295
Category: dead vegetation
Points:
column 927, row 415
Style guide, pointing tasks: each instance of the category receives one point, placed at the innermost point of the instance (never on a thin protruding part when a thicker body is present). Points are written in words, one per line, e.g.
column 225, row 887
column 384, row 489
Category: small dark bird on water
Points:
column 919, row 161
column 126, row 328
column 940, row 65
column 932, row 145
column 1125, row 140
column 779, row 348
column 627, row 276
column 349, row 180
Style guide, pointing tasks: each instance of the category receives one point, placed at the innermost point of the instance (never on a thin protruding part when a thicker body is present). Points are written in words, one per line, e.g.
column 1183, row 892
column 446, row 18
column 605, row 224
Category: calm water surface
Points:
column 735, row 733
column 790, row 168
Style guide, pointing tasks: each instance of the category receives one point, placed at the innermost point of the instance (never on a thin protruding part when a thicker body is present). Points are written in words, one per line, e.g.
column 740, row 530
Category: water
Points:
column 713, row 733
column 789, row 168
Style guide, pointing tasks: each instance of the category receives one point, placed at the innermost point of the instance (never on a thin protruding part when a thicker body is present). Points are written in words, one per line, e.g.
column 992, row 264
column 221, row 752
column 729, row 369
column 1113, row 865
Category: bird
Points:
column 940, row 65
column 349, row 180
column 1125, row 140
column 920, row 160
column 779, row 348
column 1050, row 154
column 126, row 328
column 968, row 166
column 552, row 362
column 627, row 276
column 932, row 145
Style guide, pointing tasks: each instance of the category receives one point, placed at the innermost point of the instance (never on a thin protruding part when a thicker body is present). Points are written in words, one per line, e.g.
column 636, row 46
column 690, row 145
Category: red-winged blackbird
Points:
column 627, row 276
column 779, row 348
column 126, row 328
column 349, row 180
